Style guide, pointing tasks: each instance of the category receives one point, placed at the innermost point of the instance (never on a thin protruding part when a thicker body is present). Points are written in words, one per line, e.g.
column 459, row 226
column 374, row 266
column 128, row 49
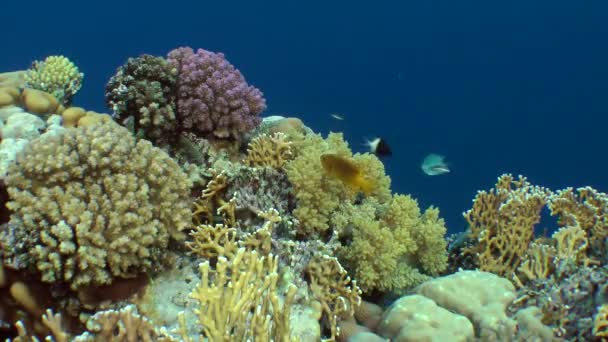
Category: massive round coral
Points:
column 95, row 204
column 143, row 90
column 213, row 97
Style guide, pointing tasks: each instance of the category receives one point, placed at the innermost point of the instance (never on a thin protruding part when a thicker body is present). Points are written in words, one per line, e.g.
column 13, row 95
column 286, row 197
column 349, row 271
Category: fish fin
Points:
column 367, row 186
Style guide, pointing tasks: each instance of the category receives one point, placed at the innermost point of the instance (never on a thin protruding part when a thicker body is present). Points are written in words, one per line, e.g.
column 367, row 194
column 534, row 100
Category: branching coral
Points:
column 502, row 222
column 143, row 90
column 333, row 288
column 213, row 97
column 241, row 301
column 95, row 204
column 393, row 245
column 586, row 208
column 56, row 75
column 269, row 151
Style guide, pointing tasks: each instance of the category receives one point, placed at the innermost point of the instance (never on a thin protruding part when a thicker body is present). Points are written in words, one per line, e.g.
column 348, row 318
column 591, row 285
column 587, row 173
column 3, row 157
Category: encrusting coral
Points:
column 92, row 204
column 56, row 75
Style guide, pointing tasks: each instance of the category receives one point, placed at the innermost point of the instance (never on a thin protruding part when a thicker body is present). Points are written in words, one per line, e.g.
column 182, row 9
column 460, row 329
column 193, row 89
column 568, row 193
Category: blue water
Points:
column 514, row 86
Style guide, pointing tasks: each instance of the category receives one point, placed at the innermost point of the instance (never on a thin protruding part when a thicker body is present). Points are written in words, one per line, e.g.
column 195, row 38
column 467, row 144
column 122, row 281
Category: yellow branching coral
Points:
column 222, row 240
column 502, row 222
column 213, row 241
column 393, row 245
column 571, row 244
column 269, row 151
column 94, row 204
column 56, row 75
column 322, row 200
column 587, row 208
column 241, row 302
column 211, row 202
column 538, row 263
column 332, row 287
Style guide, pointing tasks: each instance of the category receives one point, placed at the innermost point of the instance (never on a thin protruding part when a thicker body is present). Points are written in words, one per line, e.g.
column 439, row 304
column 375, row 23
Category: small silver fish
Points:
column 337, row 116
column 434, row 165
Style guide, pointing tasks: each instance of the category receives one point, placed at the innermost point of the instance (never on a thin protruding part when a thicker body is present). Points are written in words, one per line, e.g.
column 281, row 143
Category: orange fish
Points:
column 345, row 170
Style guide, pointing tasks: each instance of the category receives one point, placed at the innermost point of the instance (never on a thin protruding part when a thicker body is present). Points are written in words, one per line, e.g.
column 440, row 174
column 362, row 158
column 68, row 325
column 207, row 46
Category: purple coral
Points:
column 213, row 97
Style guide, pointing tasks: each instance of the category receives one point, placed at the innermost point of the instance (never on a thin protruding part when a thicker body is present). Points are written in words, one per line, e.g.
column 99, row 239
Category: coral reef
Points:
column 260, row 229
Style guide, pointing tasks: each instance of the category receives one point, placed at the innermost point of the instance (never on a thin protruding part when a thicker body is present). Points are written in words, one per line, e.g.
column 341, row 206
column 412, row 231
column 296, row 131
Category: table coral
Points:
column 94, row 204
column 213, row 97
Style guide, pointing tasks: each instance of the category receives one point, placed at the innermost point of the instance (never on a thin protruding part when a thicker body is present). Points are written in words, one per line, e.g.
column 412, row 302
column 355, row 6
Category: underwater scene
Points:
column 405, row 171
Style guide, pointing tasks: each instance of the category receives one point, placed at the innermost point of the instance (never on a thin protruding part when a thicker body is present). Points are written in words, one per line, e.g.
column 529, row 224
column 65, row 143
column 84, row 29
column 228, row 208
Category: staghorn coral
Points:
column 143, row 90
column 94, row 205
column 322, row 201
column 241, row 302
column 214, row 100
column 57, row 76
column 502, row 222
column 393, row 245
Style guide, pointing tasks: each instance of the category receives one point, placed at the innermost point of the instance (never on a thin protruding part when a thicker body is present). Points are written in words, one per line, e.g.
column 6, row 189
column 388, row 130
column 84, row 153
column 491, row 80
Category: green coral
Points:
column 393, row 245
column 322, row 200
column 56, row 75
column 93, row 204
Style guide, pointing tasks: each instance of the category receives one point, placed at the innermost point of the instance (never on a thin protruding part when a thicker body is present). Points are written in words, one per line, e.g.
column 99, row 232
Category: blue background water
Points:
column 514, row 86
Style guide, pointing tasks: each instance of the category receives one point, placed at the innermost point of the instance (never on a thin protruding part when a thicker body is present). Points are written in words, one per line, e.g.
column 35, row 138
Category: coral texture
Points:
column 213, row 97
column 502, row 222
column 56, row 75
column 94, row 204
column 393, row 245
column 143, row 90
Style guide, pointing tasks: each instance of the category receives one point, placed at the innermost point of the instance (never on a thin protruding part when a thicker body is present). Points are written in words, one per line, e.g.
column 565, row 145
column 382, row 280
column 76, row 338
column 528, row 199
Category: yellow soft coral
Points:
column 393, row 245
column 56, row 75
column 322, row 200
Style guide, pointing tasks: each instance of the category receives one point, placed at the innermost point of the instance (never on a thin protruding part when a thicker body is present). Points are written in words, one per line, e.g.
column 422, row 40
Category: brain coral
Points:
column 213, row 97
column 145, row 88
column 96, row 204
